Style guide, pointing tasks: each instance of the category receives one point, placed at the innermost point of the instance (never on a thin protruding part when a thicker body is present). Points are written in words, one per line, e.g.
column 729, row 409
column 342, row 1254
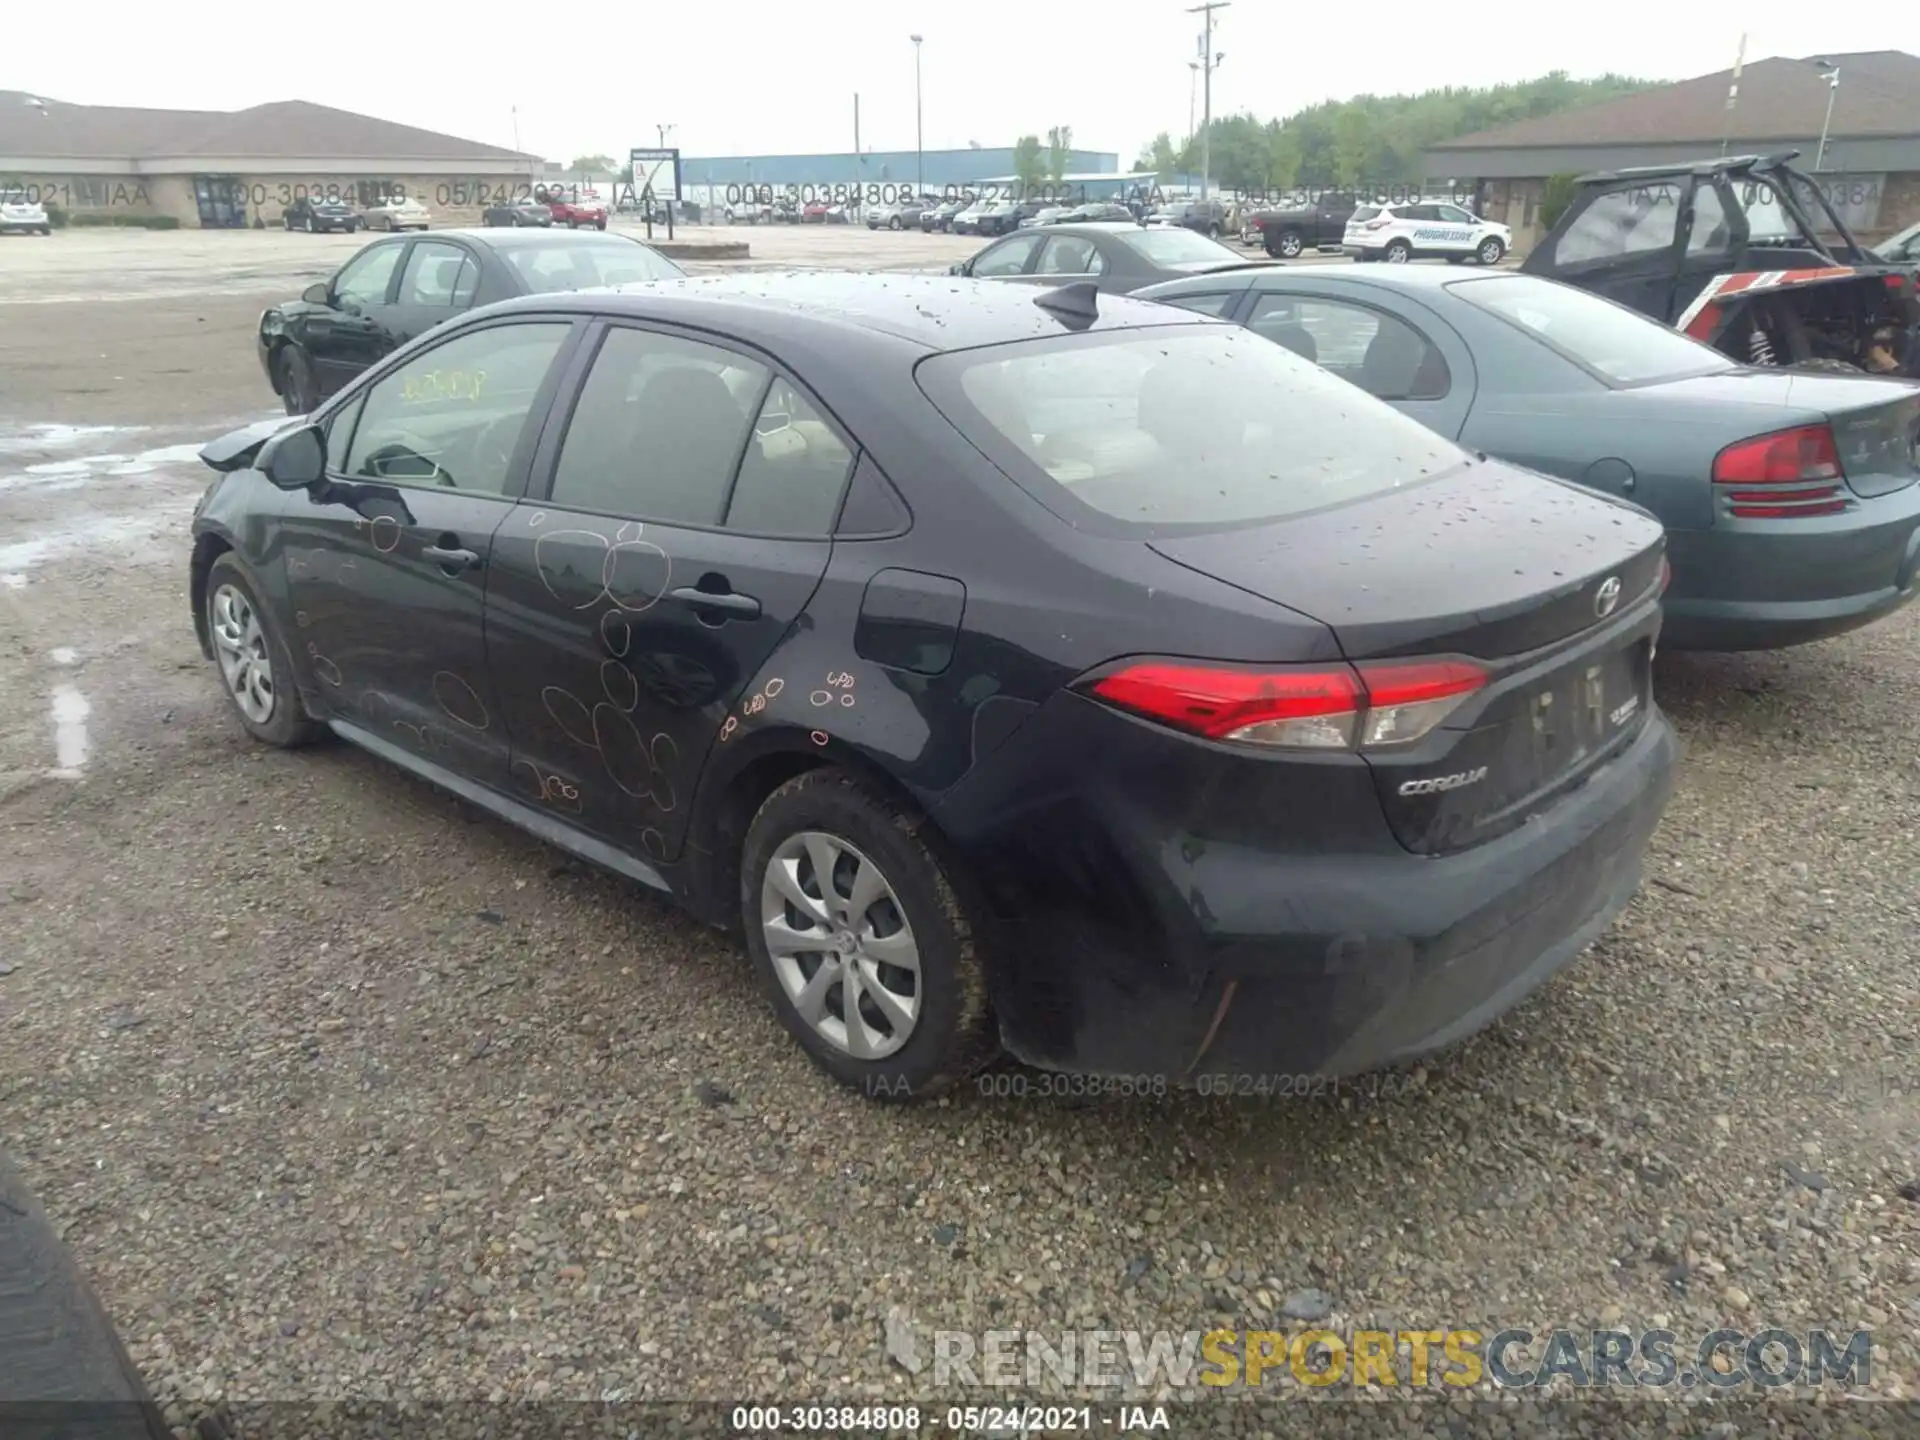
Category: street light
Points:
column 1830, row 72
column 919, row 153
column 665, row 130
column 1208, row 60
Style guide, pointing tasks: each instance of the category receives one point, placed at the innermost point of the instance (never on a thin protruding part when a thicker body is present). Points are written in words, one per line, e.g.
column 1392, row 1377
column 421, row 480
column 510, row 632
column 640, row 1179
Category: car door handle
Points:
column 727, row 600
column 450, row 559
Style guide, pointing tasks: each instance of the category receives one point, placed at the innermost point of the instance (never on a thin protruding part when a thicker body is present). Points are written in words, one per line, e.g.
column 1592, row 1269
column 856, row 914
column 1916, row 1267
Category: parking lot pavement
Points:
column 342, row 1089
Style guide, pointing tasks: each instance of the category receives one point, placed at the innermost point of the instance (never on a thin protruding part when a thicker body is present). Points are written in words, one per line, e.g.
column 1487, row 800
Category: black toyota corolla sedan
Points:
column 400, row 287
column 1031, row 669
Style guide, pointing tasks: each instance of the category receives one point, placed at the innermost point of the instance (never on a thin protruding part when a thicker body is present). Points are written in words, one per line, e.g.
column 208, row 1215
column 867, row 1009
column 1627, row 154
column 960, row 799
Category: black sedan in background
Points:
column 816, row 602
column 519, row 212
column 940, row 217
column 316, row 216
column 401, row 287
column 1117, row 257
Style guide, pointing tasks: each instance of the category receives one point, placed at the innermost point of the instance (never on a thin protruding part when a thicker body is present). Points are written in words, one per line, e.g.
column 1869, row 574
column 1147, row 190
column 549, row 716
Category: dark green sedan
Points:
column 1789, row 496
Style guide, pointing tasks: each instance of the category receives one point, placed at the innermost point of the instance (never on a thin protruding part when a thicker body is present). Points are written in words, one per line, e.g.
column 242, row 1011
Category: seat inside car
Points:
column 684, row 431
column 1399, row 365
column 1294, row 336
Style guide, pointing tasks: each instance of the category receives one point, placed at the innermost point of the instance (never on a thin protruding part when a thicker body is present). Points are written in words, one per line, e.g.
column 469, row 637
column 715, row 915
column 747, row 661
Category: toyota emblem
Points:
column 1607, row 596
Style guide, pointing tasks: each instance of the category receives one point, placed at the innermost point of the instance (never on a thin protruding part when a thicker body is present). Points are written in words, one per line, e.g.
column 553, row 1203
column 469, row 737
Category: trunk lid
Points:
column 1875, row 419
column 1552, row 589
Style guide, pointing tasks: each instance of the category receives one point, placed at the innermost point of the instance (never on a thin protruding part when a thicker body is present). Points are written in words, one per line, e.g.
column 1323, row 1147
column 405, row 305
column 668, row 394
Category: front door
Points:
column 358, row 328
column 388, row 569
column 436, row 283
column 1620, row 243
column 683, row 529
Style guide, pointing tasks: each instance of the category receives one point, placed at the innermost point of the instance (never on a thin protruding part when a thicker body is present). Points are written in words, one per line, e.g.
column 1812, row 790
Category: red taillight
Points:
column 1801, row 467
column 1334, row 707
column 1376, row 225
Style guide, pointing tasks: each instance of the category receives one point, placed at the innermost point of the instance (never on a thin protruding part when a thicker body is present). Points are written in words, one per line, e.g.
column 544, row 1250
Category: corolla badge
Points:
column 1607, row 598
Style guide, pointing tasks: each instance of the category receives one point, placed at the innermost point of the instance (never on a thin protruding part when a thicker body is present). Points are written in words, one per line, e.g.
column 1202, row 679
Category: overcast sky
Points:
column 760, row 78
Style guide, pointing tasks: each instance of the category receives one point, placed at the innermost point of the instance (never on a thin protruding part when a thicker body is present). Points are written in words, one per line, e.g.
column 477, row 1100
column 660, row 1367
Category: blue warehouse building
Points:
column 941, row 168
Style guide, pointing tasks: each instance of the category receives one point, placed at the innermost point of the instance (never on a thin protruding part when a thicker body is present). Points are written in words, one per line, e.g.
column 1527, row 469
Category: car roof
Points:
column 526, row 239
column 1729, row 164
column 1412, row 278
column 932, row 312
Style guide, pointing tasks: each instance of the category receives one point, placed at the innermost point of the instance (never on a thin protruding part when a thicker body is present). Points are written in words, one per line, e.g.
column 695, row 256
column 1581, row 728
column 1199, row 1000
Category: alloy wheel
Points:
column 1490, row 253
column 1289, row 246
column 241, row 646
column 1398, row 254
column 841, row 946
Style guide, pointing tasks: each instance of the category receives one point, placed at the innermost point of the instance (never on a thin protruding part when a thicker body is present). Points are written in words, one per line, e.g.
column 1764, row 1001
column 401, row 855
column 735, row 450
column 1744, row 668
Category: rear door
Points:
column 1623, row 242
column 677, row 526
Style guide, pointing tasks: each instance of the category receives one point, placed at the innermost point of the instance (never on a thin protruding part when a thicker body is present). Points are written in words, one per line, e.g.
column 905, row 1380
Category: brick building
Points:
column 1871, row 171
column 217, row 169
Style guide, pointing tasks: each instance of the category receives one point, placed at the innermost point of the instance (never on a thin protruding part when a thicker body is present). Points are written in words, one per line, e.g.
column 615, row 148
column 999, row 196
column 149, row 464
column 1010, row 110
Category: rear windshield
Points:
column 1620, row 345
column 546, row 269
column 1172, row 428
column 1181, row 247
column 1365, row 212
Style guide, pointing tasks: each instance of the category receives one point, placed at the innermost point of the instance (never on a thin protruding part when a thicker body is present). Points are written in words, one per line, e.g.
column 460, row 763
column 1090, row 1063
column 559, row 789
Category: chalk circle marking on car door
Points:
column 864, row 937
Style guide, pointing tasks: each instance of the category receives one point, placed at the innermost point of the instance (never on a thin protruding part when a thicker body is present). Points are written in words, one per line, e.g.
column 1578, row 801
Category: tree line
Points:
column 1375, row 139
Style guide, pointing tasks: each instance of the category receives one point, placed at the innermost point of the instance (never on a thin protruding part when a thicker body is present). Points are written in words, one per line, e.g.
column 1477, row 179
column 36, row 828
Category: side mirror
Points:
column 959, row 267
column 316, row 293
column 295, row 459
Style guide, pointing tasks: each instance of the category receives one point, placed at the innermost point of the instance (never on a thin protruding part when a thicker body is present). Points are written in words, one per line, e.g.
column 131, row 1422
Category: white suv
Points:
column 1410, row 231
column 19, row 213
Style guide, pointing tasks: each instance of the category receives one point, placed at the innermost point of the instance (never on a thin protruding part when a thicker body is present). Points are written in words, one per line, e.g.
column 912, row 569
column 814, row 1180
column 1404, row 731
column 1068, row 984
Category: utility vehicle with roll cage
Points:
column 1743, row 253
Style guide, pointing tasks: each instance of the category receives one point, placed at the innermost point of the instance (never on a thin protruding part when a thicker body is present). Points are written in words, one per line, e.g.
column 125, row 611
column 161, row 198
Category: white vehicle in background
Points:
column 20, row 215
column 402, row 212
column 1418, row 229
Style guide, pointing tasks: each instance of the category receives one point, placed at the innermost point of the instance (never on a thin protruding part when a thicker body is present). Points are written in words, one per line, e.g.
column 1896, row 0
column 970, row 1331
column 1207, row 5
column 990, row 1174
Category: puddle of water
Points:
column 103, row 531
column 13, row 582
column 65, row 655
column 70, row 743
column 67, row 474
column 25, row 439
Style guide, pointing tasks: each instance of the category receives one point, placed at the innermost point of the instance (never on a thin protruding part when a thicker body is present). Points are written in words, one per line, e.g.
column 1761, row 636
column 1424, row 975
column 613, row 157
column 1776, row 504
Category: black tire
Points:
column 57, row 1346
column 893, row 223
column 1491, row 251
column 1213, row 230
column 287, row 726
column 599, row 224
column 299, row 391
column 1398, row 252
column 954, row 1034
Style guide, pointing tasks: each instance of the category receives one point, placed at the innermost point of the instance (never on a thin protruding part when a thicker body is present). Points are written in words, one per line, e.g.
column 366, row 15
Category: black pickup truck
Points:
column 1290, row 230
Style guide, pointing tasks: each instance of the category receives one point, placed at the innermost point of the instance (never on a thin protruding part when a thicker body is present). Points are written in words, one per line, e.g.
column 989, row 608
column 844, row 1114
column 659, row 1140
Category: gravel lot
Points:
column 342, row 1089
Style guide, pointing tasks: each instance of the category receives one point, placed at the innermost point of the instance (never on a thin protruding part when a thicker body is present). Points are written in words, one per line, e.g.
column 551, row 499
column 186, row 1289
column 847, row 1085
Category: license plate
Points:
column 1584, row 710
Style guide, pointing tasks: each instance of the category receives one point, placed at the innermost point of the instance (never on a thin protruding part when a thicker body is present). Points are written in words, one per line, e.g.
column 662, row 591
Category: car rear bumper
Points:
column 1220, row 959
column 1791, row 583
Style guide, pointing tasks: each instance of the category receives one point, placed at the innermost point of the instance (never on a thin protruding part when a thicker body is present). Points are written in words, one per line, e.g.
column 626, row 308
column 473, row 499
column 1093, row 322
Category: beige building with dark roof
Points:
column 219, row 169
column 1871, row 168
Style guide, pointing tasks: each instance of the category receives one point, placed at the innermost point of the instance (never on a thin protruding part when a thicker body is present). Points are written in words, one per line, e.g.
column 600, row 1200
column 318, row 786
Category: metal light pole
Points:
column 1831, row 74
column 1193, row 93
column 665, row 130
column 919, row 150
column 1207, row 61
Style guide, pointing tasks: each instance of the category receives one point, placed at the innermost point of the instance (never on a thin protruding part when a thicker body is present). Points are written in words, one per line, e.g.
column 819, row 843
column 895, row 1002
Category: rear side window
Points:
column 1620, row 345
column 1171, row 428
column 546, row 269
column 1623, row 222
column 1365, row 212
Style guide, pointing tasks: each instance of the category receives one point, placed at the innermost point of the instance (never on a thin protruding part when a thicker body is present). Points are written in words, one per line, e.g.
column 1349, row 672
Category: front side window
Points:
column 659, row 429
column 439, row 275
column 1007, row 258
column 1709, row 231
column 364, row 279
column 1619, row 344
column 1622, row 222
column 1178, row 427
column 452, row 417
